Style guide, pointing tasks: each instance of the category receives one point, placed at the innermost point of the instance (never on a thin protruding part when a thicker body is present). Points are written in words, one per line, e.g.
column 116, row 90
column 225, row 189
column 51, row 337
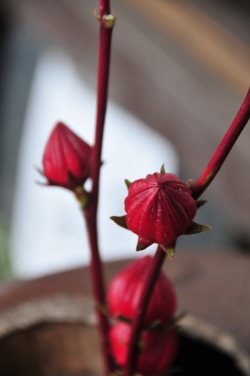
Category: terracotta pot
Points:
column 58, row 337
column 47, row 328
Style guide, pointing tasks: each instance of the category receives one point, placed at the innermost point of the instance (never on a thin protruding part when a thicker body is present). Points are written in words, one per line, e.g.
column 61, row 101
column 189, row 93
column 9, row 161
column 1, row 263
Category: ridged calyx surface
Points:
column 66, row 159
column 159, row 209
column 126, row 288
column 158, row 349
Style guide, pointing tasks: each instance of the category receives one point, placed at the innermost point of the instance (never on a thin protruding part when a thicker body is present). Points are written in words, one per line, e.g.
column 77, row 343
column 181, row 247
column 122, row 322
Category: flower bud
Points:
column 126, row 288
column 158, row 348
column 66, row 159
column 159, row 209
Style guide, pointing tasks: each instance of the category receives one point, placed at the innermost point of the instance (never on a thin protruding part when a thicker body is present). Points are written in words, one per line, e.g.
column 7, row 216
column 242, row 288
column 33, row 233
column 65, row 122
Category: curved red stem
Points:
column 223, row 149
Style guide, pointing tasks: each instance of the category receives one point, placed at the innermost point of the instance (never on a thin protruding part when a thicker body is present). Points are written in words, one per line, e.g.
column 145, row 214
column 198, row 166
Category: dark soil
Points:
column 197, row 358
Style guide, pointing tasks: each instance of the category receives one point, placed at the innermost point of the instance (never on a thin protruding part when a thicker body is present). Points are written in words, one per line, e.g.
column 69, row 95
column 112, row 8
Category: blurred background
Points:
column 179, row 73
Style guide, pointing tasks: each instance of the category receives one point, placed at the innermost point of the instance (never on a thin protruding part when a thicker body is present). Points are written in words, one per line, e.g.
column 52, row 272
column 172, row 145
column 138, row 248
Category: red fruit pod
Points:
column 126, row 288
column 158, row 348
column 66, row 158
column 159, row 209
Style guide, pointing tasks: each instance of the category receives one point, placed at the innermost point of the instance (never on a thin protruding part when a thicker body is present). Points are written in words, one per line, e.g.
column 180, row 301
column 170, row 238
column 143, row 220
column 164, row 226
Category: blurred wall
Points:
column 185, row 82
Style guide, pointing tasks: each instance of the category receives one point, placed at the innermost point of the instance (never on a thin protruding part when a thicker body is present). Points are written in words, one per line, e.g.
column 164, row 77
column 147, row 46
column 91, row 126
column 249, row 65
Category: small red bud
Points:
column 125, row 291
column 159, row 209
column 157, row 348
column 66, row 159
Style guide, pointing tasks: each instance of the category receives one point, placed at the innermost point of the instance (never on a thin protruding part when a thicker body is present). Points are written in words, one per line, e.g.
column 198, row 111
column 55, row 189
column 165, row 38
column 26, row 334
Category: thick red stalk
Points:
column 223, row 149
column 104, row 7
column 152, row 277
column 91, row 212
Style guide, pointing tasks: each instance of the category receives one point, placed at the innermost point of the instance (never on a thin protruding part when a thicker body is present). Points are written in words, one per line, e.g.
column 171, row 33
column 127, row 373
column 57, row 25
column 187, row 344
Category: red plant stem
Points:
column 152, row 277
column 102, row 93
column 104, row 7
column 90, row 213
column 98, row 289
column 223, row 149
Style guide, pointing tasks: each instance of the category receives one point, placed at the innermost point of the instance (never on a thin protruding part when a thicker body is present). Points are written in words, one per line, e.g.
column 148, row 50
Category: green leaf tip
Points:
column 190, row 183
column 124, row 319
column 128, row 183
column 120, row 221
column 196, row 228
column 170, row 252
column 96, row 17
column 85, row 201
column 155, row 324
column 200, row 203
column 205, row 228
column 162, row 171
column 102, row 308
column 82, row 196
column 140, row 247
column 169, row 248
column 109, row 20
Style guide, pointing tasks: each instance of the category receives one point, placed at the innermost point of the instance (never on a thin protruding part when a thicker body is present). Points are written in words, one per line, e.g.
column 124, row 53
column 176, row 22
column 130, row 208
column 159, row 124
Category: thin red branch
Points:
column 152, row 277
column 102, row 94
column 223, row 149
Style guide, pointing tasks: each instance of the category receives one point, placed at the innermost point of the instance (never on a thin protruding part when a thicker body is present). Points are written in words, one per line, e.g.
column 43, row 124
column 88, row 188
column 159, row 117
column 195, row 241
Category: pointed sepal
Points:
column 120, row 221
column 102, row 308
column 43, row 184
column 196, row 228
column 155, row 324
column 82, row 196
column 190, row 183
column 143, row 244
column 96, row 17
column 128, row 183
column 124, row 319
column 162, row 171
column 40, row 171
column 140, row 247
column 173, row 324
column 200, row 203
column 169, row 249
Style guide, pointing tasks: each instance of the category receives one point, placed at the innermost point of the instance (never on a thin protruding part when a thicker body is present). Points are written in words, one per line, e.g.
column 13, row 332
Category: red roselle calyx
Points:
column 125, row 292
column 159, row 209
column 158, row 348
column 66, row 159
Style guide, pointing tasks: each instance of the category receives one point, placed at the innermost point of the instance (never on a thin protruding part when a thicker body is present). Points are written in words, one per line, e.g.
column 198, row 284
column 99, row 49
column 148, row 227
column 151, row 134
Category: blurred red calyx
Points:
column 158, row 348
column 126, row 288
column 66, row 158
